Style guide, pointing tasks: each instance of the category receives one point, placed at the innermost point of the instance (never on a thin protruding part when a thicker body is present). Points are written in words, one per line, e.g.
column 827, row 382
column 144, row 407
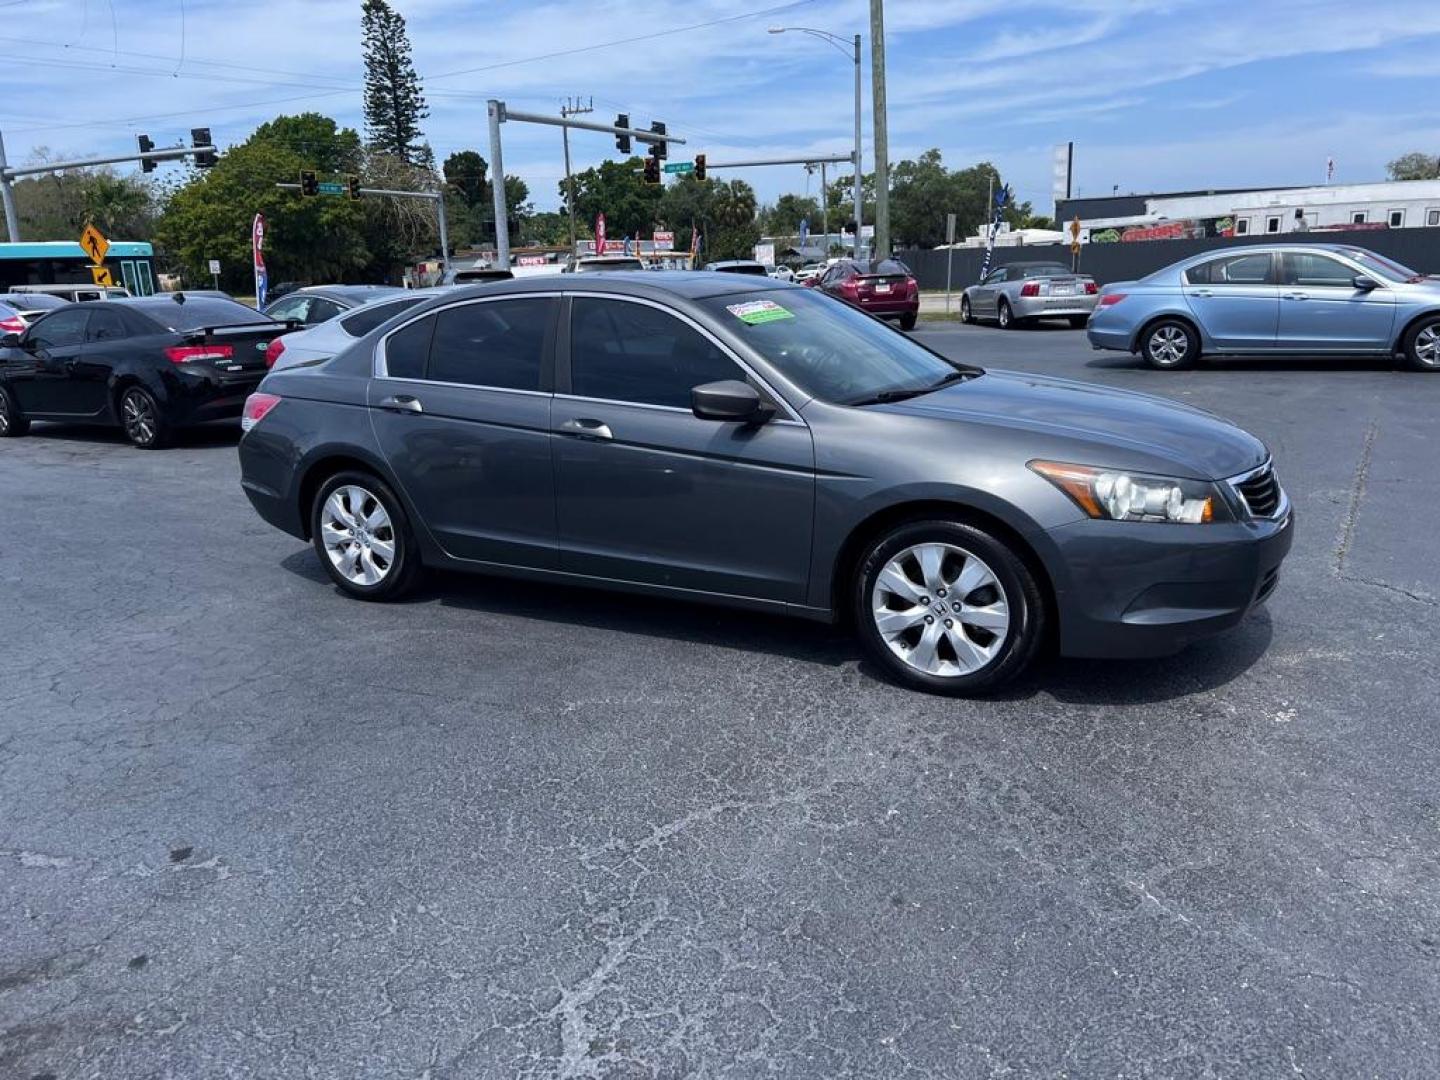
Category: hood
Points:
column 1120, row 429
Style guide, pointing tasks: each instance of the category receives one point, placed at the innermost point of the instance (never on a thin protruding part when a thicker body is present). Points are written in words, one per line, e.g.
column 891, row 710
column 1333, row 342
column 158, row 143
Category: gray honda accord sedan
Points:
column 722, row 438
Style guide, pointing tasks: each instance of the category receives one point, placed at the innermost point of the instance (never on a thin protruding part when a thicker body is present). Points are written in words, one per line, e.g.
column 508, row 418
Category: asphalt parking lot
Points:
column 250, row 828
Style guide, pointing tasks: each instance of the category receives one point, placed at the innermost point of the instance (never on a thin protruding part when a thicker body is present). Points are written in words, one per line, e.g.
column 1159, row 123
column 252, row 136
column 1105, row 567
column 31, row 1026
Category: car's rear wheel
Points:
column 1004, row 316
column 1422, row 345
column 947, row 608
column 140, row 417
column 908, row 320
column 966, row 315
column 363, row 537
column 12, row 424
column 1077, row 322
column 1170, row 344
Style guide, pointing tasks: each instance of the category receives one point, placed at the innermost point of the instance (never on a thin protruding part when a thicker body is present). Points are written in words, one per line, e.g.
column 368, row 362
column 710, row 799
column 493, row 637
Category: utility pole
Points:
column 12, row 217
column 572, row 107
column 881, row 247
column 825, row 209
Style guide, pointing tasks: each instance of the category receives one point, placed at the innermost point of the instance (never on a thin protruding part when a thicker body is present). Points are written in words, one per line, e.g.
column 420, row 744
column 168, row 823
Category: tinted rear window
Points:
column 372, row 315
column 200, row 311
column 885, row 268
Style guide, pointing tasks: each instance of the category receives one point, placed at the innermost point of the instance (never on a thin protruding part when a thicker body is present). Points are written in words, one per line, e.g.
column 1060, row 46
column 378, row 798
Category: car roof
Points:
column 685, row 284
column 354, row 294
column 1267, row 249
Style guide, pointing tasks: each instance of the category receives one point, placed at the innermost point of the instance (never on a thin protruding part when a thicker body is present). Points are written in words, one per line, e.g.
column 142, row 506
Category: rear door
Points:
column 460, row 404
column 648, row 492
column 1236, row 300
column 107, row 339
column 54, row 345
column 1322, row 311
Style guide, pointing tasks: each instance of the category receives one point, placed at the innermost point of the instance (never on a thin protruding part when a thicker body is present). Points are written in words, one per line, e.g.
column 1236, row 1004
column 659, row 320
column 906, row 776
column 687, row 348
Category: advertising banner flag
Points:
column 257, row 248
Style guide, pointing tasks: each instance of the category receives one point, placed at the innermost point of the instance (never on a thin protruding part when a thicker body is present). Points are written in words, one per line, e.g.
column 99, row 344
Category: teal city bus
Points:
column 62, row 262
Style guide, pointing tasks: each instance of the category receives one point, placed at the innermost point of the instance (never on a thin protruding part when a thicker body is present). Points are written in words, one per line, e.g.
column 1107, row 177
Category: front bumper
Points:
column 1144, row 589
column 1052, row 307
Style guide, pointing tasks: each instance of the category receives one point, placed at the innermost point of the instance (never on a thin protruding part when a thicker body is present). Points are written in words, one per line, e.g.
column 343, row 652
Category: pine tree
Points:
column 394, row 103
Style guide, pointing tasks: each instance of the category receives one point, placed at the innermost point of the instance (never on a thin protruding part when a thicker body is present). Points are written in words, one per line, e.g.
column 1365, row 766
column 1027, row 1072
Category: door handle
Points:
column 587, row 429
column 1203, row 292
column 1297, row 296
column 402, row 403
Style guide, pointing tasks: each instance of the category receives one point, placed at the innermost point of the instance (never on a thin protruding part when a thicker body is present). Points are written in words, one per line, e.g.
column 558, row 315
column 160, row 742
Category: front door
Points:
column 1236, row 300
column 54, row 344
column 461, row 408
column 648, row 492
column 1321, row 310
column 985, row 295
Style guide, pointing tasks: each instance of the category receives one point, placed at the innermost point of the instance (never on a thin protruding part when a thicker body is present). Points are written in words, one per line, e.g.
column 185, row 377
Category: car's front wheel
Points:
column 363, row 537
column 966, row 315
column 947, row 607
column 12, row 424
column 1422, row 345
column 1170, row 344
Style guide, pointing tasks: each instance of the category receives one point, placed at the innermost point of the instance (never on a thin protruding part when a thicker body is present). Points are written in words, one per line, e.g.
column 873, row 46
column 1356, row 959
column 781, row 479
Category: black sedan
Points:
column 148, row 364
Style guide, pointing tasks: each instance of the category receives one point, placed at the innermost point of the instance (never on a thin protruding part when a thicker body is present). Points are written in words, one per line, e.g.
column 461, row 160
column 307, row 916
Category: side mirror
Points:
column 729, row 401
column 10, row 341
column 1364, row 283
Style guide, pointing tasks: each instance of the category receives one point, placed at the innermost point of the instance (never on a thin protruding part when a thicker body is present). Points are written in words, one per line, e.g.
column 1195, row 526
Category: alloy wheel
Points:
column 358, row 534
column 4, row 414
column 137, row 413
column 1168, row 345
column 1427, row 346
column 1003, row 315
column 940, row 609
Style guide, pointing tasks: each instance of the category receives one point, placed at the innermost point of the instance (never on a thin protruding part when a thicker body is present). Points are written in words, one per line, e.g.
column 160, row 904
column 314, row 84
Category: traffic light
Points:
column 699, row 166
column 660, row 150
column 308, row 184
column 201, row 137
column 146, row 145
column 352, row 186
column 622, row 142
column 652, row 170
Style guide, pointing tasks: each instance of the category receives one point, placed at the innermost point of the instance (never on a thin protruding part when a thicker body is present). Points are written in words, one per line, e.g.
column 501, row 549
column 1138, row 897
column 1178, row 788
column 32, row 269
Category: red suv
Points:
column 885, row 289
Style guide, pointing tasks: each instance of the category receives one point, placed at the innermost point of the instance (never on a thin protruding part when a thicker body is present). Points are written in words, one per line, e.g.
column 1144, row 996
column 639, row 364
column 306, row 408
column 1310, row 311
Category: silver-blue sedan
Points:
column 1288, row 299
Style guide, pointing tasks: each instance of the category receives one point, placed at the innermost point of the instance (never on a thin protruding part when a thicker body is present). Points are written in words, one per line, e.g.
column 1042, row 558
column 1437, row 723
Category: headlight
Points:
column 1124, row 496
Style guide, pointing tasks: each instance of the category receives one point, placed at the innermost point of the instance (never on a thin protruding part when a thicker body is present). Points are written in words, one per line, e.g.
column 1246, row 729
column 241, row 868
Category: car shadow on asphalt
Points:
column 1116, row 361
column 218, row 433
column 1204, row 666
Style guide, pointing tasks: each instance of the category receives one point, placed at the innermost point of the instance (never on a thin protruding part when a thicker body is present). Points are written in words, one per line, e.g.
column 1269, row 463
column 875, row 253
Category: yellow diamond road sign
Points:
column 95, row 244
column 101, row 274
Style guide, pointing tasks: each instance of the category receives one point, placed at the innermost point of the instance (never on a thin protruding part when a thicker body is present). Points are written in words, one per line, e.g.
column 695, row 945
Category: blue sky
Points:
column 1156, row 94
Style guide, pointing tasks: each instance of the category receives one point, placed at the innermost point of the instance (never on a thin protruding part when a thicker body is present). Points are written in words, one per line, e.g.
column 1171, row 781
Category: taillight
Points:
column 911, row 286
column 1111, row 298
column 188, row 354
column 273, row 351
column 1030, row 288
column 1091, row 288
column 257, row 407
column 12, row 325
column 850, row 288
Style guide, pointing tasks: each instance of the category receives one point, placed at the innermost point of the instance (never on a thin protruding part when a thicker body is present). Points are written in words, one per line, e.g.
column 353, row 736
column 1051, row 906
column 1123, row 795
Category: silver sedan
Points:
column 1021, row 291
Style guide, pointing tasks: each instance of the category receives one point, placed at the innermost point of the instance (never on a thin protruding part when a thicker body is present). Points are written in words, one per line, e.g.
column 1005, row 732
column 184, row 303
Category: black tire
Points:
column 1004, row 316
column 966, row 315
column 1422, row 345
column 400, row 572
column 1077, row 322
column 908, row 321
column 1169, row 345
column 1008, row 653
column 142, row 419
column 12, row 424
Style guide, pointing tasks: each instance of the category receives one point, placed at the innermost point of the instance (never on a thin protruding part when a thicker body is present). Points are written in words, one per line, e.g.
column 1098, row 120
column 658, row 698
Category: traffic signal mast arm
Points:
column 152, row 155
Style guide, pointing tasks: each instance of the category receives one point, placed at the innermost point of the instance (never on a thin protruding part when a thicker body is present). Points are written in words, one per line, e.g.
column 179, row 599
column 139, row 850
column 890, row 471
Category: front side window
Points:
column 622, row 351
column 60, row 329
column 832, row 351
column 321, row 310
column 500, row 344
column 1232, row 270
column 996, row 277
column 1306, row 268
column 292, row 307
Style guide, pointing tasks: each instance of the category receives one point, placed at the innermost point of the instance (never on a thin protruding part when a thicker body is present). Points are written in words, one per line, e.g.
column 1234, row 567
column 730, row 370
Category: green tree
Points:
column 57, row 206
column 1415, row 165
column 733, row 231
column 468, row 199
column 618, row 190
column 394, row 102
column 687, row 204
column 783, row 219
column 308, row 239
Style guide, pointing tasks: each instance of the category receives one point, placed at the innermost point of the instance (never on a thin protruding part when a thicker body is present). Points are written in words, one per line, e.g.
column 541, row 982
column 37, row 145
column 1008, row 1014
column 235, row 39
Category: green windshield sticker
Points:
column 759, row 311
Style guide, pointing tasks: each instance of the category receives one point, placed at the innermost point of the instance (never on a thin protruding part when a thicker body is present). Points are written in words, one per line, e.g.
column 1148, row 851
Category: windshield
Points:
column 1374, row 264
column 831, row 350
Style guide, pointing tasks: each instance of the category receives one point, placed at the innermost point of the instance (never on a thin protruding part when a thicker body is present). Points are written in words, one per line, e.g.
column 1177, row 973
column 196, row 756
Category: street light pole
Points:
column 839, row 44
column 881, row 247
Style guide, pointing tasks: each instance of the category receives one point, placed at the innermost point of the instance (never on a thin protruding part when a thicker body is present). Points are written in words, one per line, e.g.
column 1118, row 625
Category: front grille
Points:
column 1260, row 492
